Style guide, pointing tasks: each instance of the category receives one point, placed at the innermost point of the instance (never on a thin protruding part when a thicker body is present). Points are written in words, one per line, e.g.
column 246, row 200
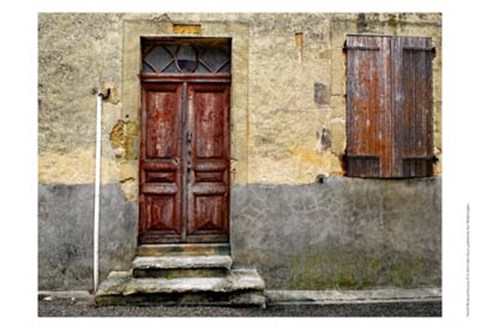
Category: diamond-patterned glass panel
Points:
column 195, row 56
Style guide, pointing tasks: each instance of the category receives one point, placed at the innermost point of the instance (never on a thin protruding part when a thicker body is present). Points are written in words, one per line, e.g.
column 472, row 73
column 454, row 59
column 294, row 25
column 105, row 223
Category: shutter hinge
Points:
column 345, row 48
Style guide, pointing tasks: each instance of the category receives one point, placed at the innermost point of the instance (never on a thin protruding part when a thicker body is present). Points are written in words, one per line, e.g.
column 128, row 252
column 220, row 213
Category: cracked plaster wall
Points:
column 292, row 65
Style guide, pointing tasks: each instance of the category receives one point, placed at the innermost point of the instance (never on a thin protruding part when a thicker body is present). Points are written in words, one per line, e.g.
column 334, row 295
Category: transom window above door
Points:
column 209, row 56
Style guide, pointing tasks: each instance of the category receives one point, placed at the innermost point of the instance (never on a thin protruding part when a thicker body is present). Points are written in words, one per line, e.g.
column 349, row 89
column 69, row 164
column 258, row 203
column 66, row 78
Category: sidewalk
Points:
column 386, row 302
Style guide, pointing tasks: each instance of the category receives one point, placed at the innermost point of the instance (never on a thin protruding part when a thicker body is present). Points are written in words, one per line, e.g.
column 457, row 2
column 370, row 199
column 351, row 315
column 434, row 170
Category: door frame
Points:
column 135, row 29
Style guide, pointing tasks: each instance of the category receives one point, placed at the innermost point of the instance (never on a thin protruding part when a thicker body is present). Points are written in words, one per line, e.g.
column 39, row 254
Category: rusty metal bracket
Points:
column 345, row 47
column 432, row 158
column 420, row 49
column 104, row 95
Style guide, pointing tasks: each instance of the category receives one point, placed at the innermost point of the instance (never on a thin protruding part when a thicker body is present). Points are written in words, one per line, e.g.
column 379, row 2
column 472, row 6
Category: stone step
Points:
column 238, row 287
column 181, row 266
column 149, row 250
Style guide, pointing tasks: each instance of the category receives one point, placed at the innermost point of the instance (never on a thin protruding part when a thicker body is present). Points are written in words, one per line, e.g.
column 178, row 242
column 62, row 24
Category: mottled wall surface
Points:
column 65, row 235
column 342, row 233
column 77, row 55
column 292, row 64
column 288, row 117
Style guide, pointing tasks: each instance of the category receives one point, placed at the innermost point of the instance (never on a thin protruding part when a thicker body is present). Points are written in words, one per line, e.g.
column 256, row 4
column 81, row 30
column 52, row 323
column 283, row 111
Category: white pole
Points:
column 96, row 220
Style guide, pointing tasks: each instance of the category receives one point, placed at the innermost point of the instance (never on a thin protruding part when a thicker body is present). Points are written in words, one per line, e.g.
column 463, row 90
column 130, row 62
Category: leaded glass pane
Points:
column 186, row 56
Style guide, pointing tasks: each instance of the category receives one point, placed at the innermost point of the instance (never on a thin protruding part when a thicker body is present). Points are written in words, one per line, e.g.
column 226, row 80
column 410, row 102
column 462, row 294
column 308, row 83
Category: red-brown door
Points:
column 185, row 161
column 208, row 162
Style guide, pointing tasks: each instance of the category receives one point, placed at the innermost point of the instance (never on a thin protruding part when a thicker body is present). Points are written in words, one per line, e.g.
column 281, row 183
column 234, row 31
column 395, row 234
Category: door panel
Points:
column 209, row 162
column 208, row 124
column 209, row 213
column 162, row 119
column 185, row 162
column 161, row 164
column 160, row 212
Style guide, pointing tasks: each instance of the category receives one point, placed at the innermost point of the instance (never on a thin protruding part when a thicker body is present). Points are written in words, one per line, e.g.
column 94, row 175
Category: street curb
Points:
column 335, row 297
column 74, row 295
column 300, row 297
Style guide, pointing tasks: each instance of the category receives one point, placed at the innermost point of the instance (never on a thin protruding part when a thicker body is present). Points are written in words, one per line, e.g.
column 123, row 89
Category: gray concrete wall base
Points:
column 65, row 234
column 343, row 233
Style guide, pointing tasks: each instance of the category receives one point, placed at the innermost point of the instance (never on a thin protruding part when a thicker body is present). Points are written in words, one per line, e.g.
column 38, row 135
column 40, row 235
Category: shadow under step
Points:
column 204, row 249
column 181, row 266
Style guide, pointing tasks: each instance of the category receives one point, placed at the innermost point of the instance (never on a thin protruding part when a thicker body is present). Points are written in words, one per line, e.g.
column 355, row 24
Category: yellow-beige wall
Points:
column 278, row 59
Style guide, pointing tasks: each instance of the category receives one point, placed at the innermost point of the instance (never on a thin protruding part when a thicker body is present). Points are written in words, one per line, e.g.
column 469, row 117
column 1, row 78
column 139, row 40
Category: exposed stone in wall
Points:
column 129, row 187
column 321, row 94
column 124, row 139
column 324, row 140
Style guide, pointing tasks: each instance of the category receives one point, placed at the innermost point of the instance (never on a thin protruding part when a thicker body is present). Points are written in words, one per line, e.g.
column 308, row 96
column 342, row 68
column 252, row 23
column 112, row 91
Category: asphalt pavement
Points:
column 82, row 308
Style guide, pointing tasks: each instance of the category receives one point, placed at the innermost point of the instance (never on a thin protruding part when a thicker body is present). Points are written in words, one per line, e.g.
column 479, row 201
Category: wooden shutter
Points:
column 368, row 109
column 412, row 151
column 389, row 106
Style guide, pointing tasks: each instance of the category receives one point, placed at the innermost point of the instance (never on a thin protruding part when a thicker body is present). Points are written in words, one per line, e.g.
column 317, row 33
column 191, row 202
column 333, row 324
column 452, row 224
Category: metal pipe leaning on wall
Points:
column 98, row 157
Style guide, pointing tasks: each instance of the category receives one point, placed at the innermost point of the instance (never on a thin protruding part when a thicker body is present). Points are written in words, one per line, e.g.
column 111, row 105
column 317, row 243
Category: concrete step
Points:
column 181, row 266
column 238, row 287
column 148, row 250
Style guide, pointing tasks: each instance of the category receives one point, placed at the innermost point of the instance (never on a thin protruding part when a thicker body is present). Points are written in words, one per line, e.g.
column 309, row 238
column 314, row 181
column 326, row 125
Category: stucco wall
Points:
column 342, row 233
column 288, row 90
column 65, row 242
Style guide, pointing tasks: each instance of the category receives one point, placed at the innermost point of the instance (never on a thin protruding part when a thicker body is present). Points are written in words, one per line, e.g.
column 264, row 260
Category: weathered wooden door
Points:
column 184, row 167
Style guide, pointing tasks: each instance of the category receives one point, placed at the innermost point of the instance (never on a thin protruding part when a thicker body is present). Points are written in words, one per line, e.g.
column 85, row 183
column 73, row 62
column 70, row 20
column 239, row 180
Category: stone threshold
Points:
column 300, row 297
column 182, row 262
